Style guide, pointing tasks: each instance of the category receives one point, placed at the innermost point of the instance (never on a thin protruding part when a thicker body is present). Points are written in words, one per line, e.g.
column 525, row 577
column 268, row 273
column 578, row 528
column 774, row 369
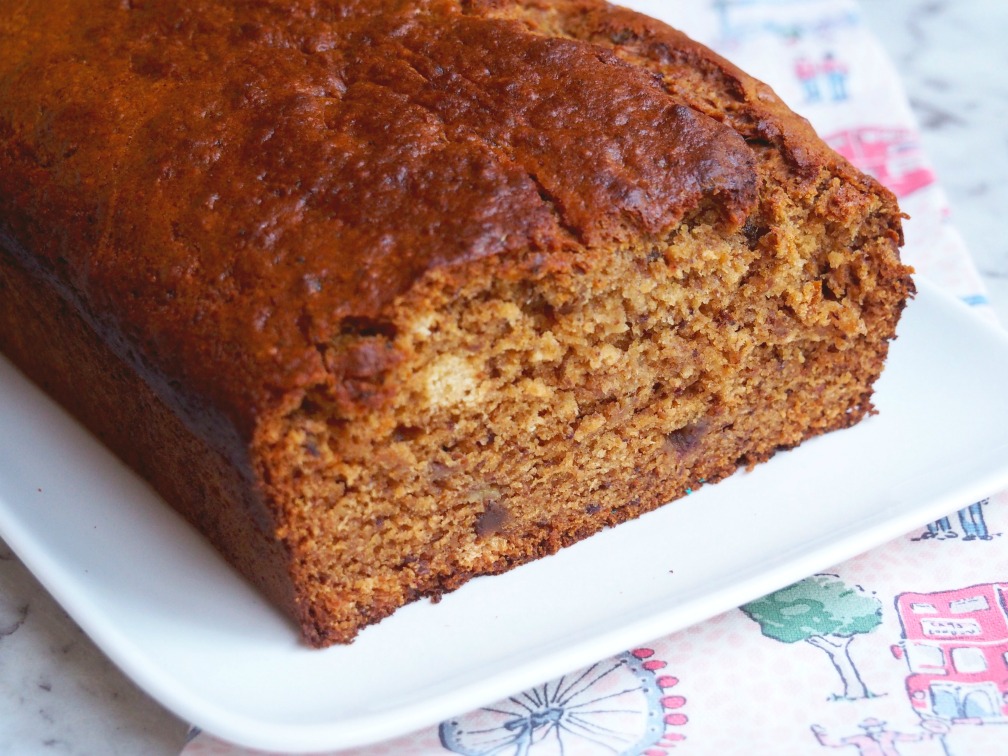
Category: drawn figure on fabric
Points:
column 826, row 613
column 836, row 76
column 875, row 740
column 971, row 520
column 829, row 74
column 939, row 529
column 620, row 705
column 808, row 75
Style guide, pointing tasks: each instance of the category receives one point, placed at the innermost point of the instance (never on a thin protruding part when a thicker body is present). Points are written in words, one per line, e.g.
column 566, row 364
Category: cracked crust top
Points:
column 224, row 187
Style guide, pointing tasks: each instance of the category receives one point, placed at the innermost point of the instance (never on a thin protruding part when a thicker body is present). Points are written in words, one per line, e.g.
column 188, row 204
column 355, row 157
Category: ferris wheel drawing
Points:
column 617, row 706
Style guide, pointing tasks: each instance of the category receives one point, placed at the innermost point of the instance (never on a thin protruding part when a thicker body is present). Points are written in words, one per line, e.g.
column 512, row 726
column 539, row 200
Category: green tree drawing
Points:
column 825, row 612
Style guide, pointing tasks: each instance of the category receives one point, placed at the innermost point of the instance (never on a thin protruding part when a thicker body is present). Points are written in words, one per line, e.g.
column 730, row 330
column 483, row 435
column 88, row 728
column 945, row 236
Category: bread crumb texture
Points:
column 461, row 282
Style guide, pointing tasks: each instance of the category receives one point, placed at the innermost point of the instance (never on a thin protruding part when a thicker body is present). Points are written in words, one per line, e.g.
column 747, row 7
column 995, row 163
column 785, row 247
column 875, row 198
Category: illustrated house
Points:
column 956, row 644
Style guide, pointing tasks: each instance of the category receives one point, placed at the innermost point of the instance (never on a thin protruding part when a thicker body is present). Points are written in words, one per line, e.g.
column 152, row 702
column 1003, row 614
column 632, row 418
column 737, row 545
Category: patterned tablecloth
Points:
column 903, row 650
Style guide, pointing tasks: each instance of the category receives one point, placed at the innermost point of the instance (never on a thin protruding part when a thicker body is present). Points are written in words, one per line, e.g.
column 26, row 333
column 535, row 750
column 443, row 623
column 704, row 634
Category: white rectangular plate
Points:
column 165, row 608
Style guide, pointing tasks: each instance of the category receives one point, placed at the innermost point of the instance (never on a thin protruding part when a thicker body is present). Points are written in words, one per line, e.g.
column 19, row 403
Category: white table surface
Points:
column 58, row 694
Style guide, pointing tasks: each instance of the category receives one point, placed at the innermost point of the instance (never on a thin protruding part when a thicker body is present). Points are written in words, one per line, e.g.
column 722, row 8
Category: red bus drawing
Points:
column 956, row 644
column 893, row 156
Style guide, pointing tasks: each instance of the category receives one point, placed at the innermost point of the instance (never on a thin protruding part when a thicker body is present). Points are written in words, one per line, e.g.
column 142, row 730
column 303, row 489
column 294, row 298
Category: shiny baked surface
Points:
column 228, row 182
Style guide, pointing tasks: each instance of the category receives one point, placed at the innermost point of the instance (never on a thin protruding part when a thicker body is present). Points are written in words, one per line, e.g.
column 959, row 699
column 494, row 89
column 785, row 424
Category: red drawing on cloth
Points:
column 875, row 739
column 956, row 645
column 893, row 156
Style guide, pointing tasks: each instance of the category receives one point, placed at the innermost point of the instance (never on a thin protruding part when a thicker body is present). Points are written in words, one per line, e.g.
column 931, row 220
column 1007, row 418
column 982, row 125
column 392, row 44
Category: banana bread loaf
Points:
column 385, row 295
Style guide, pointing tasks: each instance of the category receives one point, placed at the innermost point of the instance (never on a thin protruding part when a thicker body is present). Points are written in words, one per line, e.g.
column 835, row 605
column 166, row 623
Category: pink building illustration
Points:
column 956, row 644
column 891, row 155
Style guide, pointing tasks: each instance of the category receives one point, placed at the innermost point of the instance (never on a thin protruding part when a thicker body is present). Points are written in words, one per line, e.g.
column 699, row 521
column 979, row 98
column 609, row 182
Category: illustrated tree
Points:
column 825, row 612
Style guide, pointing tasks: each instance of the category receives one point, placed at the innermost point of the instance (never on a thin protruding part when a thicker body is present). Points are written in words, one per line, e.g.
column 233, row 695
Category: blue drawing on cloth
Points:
column 971, row 520
column 790, row 20
column 836, row 76
column 974, row 300
column 616, row 706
